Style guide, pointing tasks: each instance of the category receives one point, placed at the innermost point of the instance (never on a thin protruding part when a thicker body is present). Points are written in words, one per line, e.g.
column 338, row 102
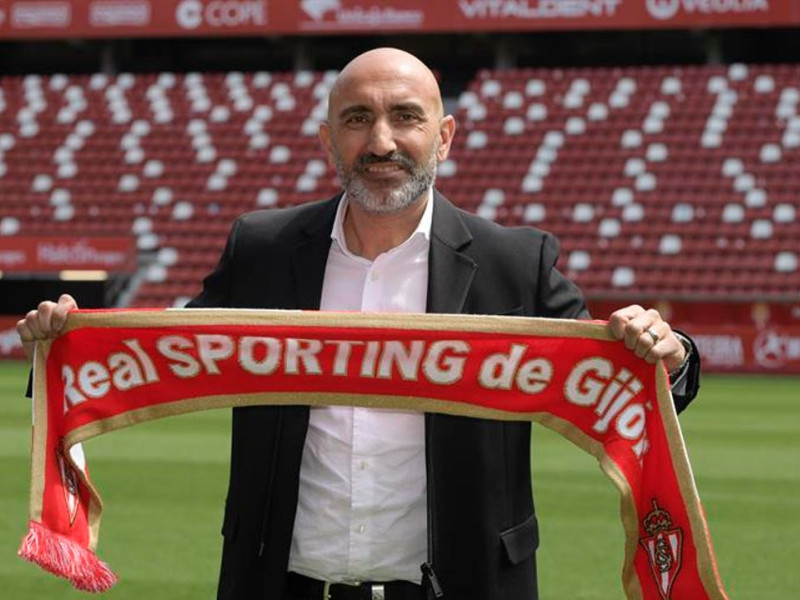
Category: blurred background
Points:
column 659, row 139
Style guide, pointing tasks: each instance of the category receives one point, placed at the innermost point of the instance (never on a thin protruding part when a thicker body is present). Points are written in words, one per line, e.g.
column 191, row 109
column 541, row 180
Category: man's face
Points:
column 385, row 136
column 388, row 183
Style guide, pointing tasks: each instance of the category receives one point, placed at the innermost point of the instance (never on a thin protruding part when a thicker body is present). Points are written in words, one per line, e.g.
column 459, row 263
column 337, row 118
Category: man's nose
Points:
column 381, row 140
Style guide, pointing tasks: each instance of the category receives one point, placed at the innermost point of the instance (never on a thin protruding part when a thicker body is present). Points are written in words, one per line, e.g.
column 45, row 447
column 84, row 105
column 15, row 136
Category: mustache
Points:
column 394, row 157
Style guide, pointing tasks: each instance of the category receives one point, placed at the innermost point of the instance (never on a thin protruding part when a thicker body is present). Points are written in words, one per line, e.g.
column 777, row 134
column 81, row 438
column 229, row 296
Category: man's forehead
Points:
column 389, row 93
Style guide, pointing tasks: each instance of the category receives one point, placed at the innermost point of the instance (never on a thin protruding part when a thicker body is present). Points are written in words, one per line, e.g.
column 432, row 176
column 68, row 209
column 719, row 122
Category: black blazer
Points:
column 483, row 532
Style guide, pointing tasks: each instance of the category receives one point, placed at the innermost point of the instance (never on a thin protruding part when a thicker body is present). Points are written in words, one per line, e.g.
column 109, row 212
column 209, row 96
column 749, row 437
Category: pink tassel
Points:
column 64, row 557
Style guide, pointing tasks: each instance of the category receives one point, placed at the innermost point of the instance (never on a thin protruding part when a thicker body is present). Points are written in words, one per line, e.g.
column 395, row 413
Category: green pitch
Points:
column 163, row 484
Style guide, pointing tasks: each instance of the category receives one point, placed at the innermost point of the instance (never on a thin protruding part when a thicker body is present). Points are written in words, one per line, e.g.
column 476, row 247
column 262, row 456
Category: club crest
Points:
column 70, row 486
column 664, row 547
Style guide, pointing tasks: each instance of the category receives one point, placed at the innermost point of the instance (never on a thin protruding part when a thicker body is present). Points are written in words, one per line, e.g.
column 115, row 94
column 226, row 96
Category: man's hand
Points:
column 648, row 335
column 44, row 322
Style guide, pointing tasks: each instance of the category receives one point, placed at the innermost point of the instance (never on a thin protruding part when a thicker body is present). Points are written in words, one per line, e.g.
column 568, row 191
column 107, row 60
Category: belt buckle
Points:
column 378, row 591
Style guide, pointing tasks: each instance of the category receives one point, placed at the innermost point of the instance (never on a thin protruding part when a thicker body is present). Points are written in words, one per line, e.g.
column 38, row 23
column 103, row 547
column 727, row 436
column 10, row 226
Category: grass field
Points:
column 164, row 483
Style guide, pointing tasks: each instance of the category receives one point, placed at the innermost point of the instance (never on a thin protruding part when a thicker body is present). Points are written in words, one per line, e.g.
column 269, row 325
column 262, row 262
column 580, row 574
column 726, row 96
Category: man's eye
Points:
column 357, row 119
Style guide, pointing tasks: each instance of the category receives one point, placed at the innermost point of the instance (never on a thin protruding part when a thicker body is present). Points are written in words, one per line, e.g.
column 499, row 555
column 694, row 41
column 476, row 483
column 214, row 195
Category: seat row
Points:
column 673, row 180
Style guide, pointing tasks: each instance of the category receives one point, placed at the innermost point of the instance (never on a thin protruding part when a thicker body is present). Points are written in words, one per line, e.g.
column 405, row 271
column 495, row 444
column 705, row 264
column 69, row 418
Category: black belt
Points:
column 301, row 587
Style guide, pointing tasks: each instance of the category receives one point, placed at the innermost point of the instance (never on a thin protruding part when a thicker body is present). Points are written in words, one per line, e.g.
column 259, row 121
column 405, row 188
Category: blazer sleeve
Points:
column 557, row 296
column 685, row 381
column 217, row 285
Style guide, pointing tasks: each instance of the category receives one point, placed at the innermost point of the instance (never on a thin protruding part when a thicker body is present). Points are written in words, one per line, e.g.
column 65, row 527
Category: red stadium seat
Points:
column 685, row 176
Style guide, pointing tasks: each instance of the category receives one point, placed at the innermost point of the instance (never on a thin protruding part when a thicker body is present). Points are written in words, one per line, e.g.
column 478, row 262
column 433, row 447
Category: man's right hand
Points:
column 44, row 322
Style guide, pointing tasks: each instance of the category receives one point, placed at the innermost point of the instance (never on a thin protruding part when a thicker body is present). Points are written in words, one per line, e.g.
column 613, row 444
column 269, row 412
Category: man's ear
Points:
column 447, row 129
column 324, row 135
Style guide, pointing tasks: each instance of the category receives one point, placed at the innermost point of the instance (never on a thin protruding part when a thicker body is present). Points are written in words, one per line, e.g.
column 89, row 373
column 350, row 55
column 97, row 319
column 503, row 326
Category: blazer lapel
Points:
column 311, row 255
column 450, row 271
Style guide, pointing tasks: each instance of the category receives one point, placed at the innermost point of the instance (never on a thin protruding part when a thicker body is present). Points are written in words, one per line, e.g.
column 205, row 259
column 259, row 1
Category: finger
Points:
column 26, row 336
column 651, row 344
column 65, row 304
column 24, row 330
column 33, row 325
column 40, row 325
column 670, row 349
column 620, row 318
column 636, row 335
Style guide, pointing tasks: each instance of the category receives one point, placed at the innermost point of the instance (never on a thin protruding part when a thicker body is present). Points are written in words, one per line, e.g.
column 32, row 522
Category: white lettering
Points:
column 93, row 379
column 534, row 375
column 150, row 372
column 376, row 17
column 441, row 368
column 497, row 371
column 370, row 358
column 116, row 14
column 590, row 384
column 234, row 14
column 341, row 359
column 125, row 371
column 407, row 360
column 191, row 14
column 185, row 365
column 630, row 424
column 51, row 13
column 537, row 9
column 583, row 386
column 725, row 6
column 668, row 9
column 612, row 389
column 72, row 397
column 212, row 348
column 272, row 355
column 78, row 254
column 722, row 350
column 619, row 400
column 305, row 351
column 12, row 258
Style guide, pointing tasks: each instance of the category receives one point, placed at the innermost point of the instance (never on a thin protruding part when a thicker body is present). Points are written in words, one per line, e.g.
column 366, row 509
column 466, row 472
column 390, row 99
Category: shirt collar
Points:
column 422, row 231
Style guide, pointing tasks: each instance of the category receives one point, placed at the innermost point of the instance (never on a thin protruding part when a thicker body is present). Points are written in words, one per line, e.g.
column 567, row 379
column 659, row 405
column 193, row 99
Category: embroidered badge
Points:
column 664, row 547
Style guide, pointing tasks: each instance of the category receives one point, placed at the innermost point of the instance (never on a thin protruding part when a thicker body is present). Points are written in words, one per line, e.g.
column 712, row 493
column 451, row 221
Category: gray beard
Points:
column 392, row 200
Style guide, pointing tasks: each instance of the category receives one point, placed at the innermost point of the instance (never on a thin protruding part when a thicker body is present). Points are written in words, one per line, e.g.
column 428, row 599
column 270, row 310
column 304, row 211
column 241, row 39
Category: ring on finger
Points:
column 653, row 335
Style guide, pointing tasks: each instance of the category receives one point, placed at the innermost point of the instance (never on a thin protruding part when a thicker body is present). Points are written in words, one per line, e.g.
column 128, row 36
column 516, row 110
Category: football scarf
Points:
column 112, row 369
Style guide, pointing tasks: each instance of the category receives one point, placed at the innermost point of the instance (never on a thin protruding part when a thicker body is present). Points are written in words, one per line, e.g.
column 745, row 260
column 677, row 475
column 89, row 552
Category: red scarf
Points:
column 111, row 369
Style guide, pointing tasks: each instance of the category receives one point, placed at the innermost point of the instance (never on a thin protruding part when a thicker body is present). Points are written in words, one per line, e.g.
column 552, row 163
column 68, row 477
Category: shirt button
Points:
column 374, row 276
column 362, row 465
column 361, row 529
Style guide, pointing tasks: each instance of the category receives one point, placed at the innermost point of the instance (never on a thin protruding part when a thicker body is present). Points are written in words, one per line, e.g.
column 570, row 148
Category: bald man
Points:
column 354, row 503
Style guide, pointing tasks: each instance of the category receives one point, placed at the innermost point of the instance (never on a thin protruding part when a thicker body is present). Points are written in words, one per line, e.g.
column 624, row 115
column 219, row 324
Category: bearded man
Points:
column 339, row 503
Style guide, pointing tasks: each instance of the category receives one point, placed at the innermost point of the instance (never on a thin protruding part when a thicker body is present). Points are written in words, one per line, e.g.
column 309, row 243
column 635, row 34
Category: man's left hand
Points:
column 648, row 335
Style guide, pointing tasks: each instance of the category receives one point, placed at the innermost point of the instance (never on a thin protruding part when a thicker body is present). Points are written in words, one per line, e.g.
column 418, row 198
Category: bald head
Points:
column 383, row 67
column 386, row 131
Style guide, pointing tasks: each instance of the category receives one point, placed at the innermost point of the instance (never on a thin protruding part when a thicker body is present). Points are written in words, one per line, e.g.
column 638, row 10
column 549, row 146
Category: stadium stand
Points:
column 665, row 181
column 660, row 181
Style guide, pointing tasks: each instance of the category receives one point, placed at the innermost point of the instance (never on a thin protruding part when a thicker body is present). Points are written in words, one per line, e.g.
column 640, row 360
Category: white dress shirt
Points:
column 362, row 506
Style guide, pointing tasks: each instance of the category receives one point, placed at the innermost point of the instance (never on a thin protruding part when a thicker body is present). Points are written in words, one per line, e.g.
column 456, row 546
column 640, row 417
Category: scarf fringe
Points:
column 62, row 556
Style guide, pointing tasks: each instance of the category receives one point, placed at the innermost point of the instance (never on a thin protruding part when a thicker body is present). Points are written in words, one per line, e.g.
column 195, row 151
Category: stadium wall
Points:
column 147, row 18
